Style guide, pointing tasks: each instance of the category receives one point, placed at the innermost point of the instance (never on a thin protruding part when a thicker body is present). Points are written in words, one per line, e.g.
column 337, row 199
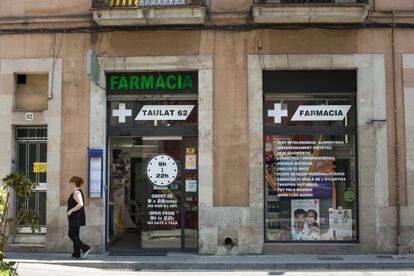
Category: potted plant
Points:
column 22, row 188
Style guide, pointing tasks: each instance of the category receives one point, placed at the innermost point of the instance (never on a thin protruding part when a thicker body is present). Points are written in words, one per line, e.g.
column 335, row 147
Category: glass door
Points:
column 153, row 192
column 159, row 194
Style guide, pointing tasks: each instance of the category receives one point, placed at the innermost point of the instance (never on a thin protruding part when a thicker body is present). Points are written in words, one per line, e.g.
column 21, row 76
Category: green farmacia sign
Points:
column 151, row 82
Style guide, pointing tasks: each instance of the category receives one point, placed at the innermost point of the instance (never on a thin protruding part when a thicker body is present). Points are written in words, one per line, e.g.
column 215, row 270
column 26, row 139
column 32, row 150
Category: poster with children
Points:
column 305, row 219
column 340, row 224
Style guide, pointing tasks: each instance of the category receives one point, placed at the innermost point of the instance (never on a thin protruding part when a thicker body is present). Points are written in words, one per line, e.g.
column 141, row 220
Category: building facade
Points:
column 218, row 126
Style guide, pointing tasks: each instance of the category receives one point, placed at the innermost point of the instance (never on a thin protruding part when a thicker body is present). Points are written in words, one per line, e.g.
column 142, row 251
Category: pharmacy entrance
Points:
column 152, row 195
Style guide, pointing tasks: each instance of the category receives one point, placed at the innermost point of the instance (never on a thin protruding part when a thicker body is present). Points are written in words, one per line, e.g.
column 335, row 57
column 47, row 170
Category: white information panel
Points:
column 95, row 177
column 162, row 170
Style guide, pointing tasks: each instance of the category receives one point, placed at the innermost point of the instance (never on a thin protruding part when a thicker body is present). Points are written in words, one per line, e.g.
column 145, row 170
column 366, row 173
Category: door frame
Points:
column 98, row 127
column 164, row 132
column 38, row 141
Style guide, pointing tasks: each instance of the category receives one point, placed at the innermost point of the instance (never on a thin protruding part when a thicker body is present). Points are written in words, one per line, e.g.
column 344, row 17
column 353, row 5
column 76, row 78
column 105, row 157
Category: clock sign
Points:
column 162, row 170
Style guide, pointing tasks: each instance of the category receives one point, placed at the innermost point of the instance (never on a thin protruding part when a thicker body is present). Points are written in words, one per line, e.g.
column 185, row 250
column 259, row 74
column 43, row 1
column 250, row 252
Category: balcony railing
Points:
column 112, row 4
column 148, row 12
column 307, row 2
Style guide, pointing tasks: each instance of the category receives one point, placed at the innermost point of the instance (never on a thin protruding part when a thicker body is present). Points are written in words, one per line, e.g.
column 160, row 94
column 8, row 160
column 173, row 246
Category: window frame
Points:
column 310, row 130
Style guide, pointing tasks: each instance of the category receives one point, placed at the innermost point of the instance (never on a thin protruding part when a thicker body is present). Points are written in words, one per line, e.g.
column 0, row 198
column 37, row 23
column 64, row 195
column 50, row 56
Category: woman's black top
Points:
column 77, row 218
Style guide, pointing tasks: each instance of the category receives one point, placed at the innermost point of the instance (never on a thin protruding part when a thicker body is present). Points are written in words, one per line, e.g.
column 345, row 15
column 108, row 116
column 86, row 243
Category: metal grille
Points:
column 310, row 2
column 109, row 4
column 31, row 147
column 31, row 133
column 163, row 3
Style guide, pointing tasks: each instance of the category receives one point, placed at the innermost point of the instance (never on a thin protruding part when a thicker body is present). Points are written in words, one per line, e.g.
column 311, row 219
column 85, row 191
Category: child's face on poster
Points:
column 310, row 218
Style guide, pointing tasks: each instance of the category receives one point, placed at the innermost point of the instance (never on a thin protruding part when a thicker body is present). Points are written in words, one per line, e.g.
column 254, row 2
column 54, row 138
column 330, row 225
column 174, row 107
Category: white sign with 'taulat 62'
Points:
column 164, row 112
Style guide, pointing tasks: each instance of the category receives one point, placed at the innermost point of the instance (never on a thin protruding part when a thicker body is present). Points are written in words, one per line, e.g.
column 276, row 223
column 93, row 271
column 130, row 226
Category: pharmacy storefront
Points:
column 152, row 160
column 309, row 132
column 145, row 119
column 323, row 141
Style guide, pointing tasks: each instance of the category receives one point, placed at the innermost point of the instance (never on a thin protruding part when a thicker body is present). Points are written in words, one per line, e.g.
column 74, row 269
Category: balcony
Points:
column 310, row 11
column 148, row 12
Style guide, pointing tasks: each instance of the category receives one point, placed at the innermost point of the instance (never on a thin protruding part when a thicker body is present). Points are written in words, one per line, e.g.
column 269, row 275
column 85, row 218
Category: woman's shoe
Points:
column 84, row 254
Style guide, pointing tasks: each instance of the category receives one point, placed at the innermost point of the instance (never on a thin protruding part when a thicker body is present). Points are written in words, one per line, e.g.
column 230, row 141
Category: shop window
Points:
column 31, row 92
column 310, row 167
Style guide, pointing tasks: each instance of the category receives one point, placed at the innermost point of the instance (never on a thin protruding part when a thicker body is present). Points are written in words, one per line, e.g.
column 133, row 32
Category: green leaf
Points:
column 23, row 188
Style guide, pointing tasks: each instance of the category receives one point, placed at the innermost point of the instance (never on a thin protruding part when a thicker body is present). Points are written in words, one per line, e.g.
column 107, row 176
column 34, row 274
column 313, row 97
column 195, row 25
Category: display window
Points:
column 310, row 172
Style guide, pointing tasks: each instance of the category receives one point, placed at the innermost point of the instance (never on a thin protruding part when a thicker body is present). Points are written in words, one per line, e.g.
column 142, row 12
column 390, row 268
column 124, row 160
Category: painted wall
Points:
column 408, row 72
column 237, row 8
column 225, row 6
column 387, row 5
column 29, row 8
column 32, row 95
column 230, row 97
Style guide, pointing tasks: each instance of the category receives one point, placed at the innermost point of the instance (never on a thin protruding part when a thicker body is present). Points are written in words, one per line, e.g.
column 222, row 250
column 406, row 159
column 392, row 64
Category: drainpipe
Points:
column 397, row 146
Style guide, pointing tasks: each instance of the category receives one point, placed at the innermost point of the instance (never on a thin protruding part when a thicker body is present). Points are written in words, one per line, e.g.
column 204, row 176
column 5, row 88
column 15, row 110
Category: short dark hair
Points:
column 77, row 180
column 299, row 212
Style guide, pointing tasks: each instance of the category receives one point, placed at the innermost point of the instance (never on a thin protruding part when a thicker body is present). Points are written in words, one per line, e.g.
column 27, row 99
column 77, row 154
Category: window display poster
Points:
column 340, row 224
column 190, row 150
column 305, row 219
column 162, row 209
column 305, row 167
column 190, row 185
column 190, row 162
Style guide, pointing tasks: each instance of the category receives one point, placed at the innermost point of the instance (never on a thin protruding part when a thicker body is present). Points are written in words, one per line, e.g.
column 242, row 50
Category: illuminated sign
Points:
column 151, row 82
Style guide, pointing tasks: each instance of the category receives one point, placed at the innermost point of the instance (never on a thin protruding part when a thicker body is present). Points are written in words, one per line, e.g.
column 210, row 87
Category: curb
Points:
column 209, row 266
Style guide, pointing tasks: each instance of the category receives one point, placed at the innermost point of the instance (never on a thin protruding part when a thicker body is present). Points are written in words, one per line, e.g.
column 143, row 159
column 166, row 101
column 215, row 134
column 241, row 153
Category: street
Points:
column 32, row 269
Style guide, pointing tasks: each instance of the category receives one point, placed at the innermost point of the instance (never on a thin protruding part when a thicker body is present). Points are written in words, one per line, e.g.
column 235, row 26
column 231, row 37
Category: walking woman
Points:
column 76, row 217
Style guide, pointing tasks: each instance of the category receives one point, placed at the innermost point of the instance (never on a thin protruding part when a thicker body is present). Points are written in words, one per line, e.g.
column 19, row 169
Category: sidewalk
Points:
column 184, row 261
